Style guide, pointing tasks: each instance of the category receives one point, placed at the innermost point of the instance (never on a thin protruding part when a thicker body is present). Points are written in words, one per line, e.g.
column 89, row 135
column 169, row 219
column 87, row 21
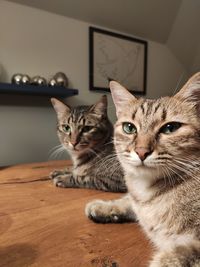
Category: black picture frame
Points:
column 113, row 56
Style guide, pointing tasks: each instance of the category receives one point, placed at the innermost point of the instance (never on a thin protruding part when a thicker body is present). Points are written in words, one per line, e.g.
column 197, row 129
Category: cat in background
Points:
column 87, row 134
column 158, row 145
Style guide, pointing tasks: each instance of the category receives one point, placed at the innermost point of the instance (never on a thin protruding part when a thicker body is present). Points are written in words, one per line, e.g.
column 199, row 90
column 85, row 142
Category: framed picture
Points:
column 113, row 56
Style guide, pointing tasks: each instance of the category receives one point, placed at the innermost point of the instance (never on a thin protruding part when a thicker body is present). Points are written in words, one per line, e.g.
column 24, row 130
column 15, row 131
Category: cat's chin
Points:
column 144, row 167
column 79, row 151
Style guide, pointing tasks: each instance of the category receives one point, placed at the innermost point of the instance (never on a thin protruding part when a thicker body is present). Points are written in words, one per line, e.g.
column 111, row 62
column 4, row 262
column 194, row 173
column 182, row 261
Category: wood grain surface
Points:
column 42, row 225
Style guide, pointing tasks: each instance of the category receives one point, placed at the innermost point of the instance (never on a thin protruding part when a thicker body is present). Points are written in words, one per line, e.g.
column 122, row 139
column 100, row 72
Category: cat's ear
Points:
column 100, row 108
column 191, row 90
column 121, row 96
column 60, row 107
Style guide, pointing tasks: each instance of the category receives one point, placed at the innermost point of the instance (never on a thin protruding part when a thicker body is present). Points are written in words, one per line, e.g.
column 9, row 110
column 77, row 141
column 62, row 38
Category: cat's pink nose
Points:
column 143, row 152
column 74, row 142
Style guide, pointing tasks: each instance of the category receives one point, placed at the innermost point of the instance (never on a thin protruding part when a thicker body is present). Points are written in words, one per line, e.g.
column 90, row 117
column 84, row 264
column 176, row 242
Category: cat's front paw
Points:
column 101, row 211
column 61, row 181
column 61, row 178
column 55, row 173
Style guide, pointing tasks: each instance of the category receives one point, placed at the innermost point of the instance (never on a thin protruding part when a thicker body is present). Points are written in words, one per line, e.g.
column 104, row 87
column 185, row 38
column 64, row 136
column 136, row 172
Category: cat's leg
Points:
column 181, row 256
column 112, row 211
column 65, row 178
column 70, row 180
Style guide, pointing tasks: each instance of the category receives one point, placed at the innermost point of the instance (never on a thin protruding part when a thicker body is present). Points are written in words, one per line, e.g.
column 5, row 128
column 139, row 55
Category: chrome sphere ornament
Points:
column 25, row 79
column 17, row 78
column 61, row 79
column 42, row 81
column 52, row 82
column 34, row 80
column 38, row 80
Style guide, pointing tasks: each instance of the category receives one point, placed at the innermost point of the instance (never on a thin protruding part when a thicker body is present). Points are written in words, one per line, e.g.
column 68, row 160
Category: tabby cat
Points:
column 86, row 133
column 158, row 145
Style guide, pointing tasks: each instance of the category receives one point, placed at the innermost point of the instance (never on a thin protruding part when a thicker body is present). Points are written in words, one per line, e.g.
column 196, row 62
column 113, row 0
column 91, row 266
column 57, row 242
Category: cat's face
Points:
column 83, row 127
column 159, row 134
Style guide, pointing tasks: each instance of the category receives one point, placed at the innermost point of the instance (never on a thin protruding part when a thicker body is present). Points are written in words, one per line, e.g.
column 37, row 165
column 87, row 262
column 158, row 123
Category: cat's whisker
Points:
column 58, row 152
column 167, row 174
column 172, row 171
column 178, row 83
column 177, row 169
column 94, row 152
column 116, row 167
column 55, row 148
column 188, row 166
column 189, row 161
column 104, row 159
column 105, row 163
column 110, row 166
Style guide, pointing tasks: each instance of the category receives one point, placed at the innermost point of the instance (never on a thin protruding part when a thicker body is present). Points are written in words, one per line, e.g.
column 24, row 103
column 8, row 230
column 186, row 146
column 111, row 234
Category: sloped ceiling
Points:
column 151, row 19
column 184, row 38
column 175, row 23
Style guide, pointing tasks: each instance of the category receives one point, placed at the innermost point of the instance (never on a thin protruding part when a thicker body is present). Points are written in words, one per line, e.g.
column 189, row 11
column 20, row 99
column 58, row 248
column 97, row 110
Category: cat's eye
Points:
column 170, row 127
column 129, row 128
column 87, row 129
column 66, row 128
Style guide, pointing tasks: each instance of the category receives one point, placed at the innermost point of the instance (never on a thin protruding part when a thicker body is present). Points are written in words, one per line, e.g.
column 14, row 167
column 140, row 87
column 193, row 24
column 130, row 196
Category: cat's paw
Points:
column 56, row 173
column 101, row 211
column 60, row 181
column 61, row 178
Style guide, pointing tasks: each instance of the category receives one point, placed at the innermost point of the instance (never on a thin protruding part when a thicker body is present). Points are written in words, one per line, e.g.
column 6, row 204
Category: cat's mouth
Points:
column 142, row 164
column 145, row 165
column 79, row 147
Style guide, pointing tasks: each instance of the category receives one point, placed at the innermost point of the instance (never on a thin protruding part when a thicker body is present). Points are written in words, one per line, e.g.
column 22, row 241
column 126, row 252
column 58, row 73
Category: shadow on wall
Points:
column 22, row 100
column 3, row 74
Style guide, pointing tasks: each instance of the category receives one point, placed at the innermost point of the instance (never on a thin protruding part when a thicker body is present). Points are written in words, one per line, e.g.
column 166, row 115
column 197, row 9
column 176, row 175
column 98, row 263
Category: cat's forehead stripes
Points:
column 148, row 113
column 77, row 115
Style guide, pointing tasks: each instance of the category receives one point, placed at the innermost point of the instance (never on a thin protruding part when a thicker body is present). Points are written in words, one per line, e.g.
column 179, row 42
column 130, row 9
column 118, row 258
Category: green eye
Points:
column 87, row 129
column 129, row 128
column 170, row 127
column 66, row 128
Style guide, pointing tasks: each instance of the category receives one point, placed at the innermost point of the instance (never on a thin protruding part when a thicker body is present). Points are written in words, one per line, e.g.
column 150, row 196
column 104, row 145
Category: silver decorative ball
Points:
column 25, row 79
column 41, row 81
column 52, row 82
column 17, row 78
column 38, row 80
column 34, row 80
column 61, row 79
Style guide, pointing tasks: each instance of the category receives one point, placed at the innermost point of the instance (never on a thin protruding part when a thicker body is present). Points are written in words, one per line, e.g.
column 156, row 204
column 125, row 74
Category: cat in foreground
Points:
column 158, row 145
column 87, row 134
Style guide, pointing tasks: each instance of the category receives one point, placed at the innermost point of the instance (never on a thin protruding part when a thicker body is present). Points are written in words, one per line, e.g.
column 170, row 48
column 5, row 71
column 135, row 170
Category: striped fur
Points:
column 162, row 172
column 91, row 148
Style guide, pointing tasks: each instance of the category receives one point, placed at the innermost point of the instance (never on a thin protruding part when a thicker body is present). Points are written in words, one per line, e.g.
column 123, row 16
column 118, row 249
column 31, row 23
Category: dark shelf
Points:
column 42, row 90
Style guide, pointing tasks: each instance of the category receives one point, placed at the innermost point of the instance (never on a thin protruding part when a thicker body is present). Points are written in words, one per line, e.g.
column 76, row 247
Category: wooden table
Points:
column 42, row 225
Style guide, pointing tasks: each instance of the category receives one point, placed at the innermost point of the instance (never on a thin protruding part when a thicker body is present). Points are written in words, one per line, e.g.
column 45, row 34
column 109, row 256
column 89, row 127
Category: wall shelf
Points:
column 40, row 90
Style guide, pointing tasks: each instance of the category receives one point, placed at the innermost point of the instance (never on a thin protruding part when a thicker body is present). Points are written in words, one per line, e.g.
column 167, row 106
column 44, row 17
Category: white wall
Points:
column 38, row 42
column 184, row 38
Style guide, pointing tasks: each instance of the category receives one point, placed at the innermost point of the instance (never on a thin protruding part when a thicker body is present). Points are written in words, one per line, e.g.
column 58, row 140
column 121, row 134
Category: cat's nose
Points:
column 74, row 142
column 143, row 152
